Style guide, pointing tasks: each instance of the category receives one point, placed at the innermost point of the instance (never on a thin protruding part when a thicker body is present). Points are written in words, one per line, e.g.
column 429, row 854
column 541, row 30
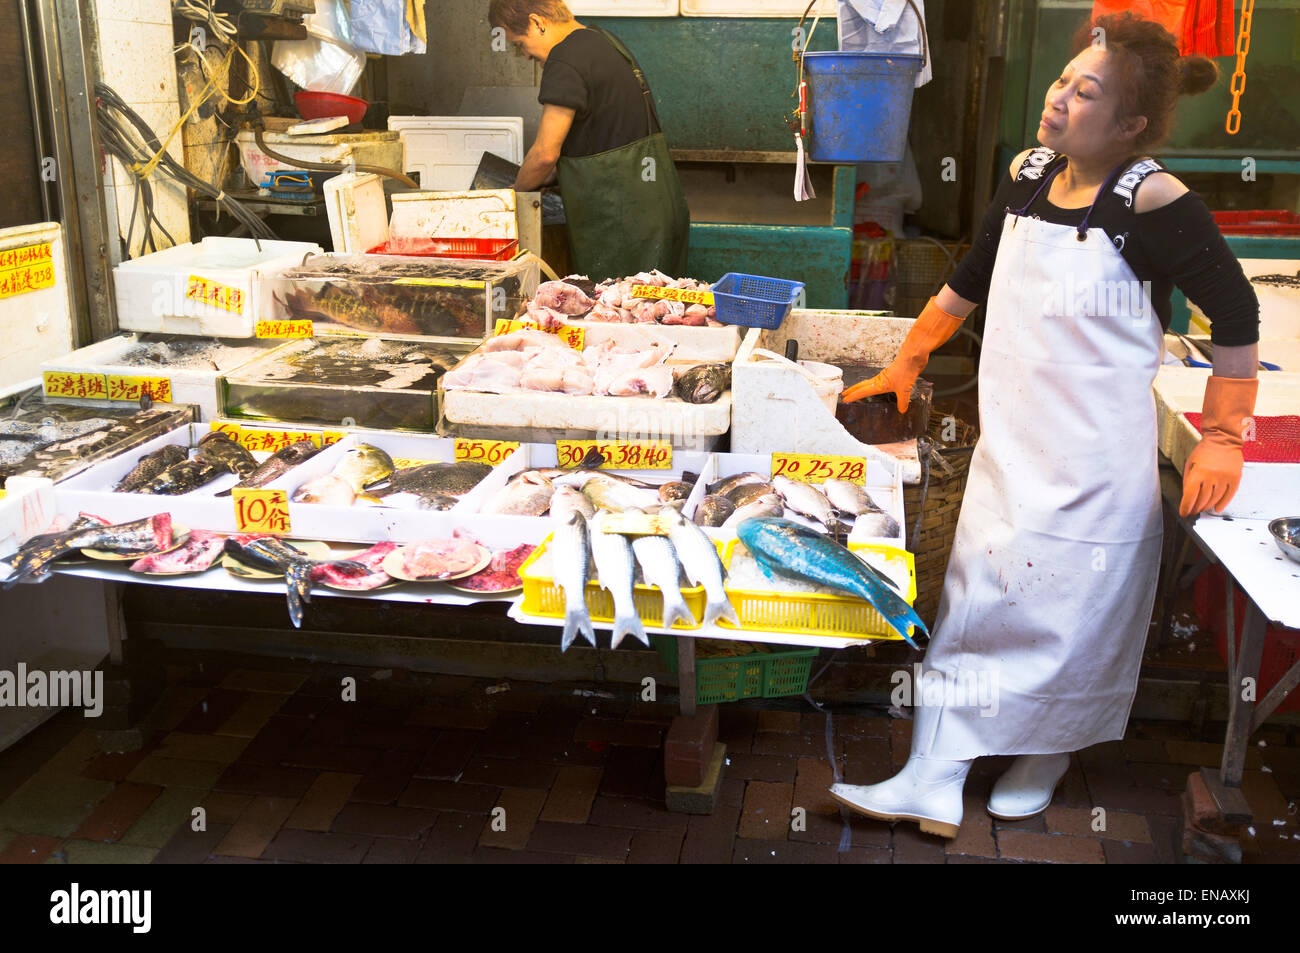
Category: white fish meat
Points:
column 562, row 297
column 702, row 565
column 199, row 552
column 518, row 340
column 654, row 381
column 441, row 558
column 661, row 568
column 571, row 559
column 616, row 571
column 329, row 490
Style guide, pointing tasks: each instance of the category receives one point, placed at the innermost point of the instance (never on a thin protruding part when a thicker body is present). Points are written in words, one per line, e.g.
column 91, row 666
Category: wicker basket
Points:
column 952, row 440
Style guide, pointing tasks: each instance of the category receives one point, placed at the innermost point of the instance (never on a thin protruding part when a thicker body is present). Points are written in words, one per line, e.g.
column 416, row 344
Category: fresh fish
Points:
column 183, row 477
column 328, row 489
column 790, row 549
column 608, row 494
column 454, row 479
column 571, row 559
column 527, row 494
column 217, row 448
column 702, row 565
column 660, row 567
column 568, row 501
column 138, row 537
column 748, row 492
column 807, row 500
column 713, row 510
column 276, row 465
column 770, row 504
column 372, row 559
column 616, row 570
column 364, row 465
column 200, row 552
column 703, row 383
column 441, row 558
column 851, row 499
column 676, row 490
column 273, row 555
column 150, row 465
column 725, row 486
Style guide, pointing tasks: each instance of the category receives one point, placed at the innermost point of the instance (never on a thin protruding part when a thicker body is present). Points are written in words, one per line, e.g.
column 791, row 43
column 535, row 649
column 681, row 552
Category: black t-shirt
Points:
column 586, row 74
column 1179, row 245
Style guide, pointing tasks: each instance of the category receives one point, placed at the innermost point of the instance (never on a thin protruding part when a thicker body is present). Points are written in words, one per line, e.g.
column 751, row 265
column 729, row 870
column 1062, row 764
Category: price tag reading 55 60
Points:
column 261, row 511
column 818, row 468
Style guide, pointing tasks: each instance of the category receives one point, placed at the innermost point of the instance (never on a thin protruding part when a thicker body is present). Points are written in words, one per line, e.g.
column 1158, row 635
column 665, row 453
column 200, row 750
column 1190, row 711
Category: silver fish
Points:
column 769, row 504
column 616, row 570
column 713, row 510
column 568, row 501
column 806, row 500
column 661, row 568
column 724, row 486
column 615, row 496
column 571, row 562
column 853, row 500
column 527, row 494
column 702, row 565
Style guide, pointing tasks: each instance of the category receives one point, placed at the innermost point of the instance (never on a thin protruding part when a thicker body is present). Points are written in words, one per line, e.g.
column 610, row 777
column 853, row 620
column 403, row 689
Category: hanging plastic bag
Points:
column 382, row 26
column 884, row 26
column 326, row 61
column 1170, row 14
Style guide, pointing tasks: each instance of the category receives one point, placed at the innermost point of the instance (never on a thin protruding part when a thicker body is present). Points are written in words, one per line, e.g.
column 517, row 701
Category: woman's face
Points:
column 1079, row 111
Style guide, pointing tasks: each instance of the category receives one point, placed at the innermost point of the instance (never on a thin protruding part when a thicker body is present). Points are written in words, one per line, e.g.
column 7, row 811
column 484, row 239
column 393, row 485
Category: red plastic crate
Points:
column 478, row 249
column 1259, row 222
column 1281, row 646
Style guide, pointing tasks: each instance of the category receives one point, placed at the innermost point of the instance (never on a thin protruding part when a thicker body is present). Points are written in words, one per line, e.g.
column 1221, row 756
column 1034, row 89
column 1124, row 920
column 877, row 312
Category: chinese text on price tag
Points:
column 284, row 329
column 574, row 337
column 121, row 387
column 673, row 294
column 61, row 384
column 261, row 511
column 216, row 295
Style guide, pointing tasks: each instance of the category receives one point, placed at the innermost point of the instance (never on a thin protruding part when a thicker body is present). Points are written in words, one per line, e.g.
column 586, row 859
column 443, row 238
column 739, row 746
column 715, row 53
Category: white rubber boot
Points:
column 1026, row 788
column 926, row 790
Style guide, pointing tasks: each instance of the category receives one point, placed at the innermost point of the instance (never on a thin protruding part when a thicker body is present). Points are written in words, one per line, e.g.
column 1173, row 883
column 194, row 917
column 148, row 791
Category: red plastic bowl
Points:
column 324, row 105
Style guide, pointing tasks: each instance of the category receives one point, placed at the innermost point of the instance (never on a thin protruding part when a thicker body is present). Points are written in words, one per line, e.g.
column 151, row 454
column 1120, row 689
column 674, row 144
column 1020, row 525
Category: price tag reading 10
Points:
column 490, row 452
column 639, row 455
column 818, row 468
column 261, row 511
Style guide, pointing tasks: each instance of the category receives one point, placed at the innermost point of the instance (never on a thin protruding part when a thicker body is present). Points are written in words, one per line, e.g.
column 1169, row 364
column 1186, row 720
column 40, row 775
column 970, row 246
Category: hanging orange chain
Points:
column 1233, row 124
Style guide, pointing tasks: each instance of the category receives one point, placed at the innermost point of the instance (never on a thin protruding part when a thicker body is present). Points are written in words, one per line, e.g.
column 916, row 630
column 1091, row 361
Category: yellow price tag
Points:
column 217, row 295
column 673, row 294
column 490, row 452
column 74, row 384
column 634, row 524
column 438, row 283
column 285, row 329
column 819, row 467
column 122, row 387
column 636, row 455
column 575, row 337
column 261, row 511
column 410, row 463
column 330, row 437
column 25, row 269
column 223, row 426
column 274, row 440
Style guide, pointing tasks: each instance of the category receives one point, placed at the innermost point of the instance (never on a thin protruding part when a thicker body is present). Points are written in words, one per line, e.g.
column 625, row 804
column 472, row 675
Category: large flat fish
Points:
column 791, row 549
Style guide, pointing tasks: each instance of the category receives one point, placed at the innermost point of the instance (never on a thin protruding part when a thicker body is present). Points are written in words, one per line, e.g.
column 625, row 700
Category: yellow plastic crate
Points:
column 542, row 597
column 811, row 613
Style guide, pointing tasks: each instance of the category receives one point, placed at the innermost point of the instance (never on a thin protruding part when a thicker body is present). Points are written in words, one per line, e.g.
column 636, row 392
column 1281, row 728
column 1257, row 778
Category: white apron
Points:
column 1052, row 579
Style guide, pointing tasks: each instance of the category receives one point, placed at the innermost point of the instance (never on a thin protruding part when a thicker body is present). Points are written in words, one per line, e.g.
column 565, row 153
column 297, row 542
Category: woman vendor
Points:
column 1051, row 583
column 600, row 134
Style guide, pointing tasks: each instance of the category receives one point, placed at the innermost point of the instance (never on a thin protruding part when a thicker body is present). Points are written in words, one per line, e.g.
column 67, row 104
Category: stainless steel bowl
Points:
column 1286, row 532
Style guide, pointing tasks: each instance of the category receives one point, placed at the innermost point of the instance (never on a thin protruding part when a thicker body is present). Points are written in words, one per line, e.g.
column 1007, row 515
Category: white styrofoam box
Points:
column 776, row 408
column 26, row 508
column 358, row 216
column 189, row 385
column 479, row 214
column 446, row 150
column 758, row 8
column 884, row 484
column 1268, row 490
column 37, row 324
column 382, row 149
column 624, row 8
column 530, row 415
column 1279, row 307
column 152, row 290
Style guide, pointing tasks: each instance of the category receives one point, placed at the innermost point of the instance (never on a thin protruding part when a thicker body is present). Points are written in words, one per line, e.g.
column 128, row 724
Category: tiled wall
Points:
column 135, row 58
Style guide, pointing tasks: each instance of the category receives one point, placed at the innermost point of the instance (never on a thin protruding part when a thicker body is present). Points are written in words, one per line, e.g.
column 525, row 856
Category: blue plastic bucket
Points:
column 859, row 105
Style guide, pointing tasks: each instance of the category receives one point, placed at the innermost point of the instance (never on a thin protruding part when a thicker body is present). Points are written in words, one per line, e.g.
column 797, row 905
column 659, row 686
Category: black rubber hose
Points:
column 331, row 167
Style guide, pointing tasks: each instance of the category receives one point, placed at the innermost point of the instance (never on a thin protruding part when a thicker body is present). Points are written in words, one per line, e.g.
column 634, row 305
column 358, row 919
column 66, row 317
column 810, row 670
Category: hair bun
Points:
column 1199, row 73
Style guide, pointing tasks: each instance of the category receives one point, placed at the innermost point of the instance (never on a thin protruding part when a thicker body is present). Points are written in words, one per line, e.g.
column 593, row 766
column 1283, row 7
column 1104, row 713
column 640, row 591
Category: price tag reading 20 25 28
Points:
column 819, row 467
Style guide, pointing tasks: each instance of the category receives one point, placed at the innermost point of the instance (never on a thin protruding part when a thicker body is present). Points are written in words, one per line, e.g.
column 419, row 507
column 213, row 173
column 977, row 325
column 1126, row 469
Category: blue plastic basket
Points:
column 753, row 301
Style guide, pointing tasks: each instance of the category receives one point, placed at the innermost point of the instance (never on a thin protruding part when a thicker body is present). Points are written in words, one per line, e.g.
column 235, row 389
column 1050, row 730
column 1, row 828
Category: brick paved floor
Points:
column 423, row 768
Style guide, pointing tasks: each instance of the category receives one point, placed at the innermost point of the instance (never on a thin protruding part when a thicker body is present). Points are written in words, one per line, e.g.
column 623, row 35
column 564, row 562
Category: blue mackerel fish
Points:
column 791, row 549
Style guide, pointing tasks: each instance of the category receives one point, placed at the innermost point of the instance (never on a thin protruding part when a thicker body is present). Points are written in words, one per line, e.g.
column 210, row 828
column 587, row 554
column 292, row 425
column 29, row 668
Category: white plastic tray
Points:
column 446, row 150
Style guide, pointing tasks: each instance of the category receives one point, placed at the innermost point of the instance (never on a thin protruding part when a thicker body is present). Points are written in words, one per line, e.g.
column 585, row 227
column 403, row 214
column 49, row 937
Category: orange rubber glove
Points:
column 1213, row 470
column 934, row 327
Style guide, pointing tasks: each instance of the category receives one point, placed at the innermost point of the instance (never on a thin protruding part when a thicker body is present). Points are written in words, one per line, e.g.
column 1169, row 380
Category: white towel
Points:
column 883, row 26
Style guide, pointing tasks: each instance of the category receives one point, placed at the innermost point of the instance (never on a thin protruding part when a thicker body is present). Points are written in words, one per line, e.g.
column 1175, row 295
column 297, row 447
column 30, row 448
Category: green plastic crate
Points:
column 760, row 675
